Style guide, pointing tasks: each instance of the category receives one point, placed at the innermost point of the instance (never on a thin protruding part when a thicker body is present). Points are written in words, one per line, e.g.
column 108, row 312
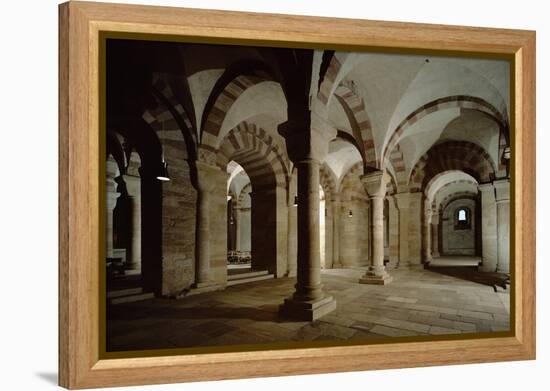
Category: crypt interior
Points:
column 259, row 195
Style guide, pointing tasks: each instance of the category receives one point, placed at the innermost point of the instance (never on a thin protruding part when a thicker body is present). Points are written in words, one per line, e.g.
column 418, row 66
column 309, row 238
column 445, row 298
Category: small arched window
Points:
column 463, row 218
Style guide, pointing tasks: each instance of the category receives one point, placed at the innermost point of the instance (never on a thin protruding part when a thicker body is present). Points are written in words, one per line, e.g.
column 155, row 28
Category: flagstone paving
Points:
column 417, row 302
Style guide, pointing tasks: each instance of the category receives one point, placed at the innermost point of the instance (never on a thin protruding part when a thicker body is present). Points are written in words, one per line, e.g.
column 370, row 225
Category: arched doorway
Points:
column 246, row 250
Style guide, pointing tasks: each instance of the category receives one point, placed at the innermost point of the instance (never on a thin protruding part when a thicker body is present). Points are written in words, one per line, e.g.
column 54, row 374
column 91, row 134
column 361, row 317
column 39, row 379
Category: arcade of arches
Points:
column 306, row 175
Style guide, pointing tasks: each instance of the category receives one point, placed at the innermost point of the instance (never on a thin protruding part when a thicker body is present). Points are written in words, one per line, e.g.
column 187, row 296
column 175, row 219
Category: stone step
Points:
column 250, row 279
column 132, row 298
column 124, row 292
column 238, row 276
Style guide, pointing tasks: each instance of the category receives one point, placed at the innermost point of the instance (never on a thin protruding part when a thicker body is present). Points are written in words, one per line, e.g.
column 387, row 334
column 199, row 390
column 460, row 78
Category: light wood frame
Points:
column 80, row 365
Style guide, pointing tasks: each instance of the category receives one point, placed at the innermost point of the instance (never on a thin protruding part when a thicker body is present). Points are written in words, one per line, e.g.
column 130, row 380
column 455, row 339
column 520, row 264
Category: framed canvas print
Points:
column 247, row 195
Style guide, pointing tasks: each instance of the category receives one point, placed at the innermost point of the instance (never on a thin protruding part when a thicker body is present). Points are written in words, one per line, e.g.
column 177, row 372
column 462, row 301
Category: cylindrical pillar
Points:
column 376, row 214
column 376, row 189
column 308, row 285
column 435, row 236
column 110, row 207
column 427, row 236
column 336, row 206
column 502, row 196
column 308, row 302
column 237, row 222
column 133, row 186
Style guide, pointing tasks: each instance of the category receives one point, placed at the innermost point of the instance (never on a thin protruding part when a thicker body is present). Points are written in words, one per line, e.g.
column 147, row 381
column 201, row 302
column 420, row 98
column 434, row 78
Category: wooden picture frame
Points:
column 80, row 364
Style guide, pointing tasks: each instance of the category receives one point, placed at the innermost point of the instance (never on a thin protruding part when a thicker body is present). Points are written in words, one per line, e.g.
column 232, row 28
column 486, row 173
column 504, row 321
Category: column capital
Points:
column 417, row 195
column 133, row 185
column 307, row 136
column 502, row 190
column 485, row 187
column 374, row 184
column 206, row 155
column 335, row 199
column 111, row 200
column 111, row 169
column 402, row 200
column 206, row 175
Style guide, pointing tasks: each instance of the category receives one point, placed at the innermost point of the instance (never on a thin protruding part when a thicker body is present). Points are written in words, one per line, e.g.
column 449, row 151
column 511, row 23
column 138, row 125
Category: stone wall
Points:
column 354, row 249
column 218, row 229
column 458, row 241
column 179, row 200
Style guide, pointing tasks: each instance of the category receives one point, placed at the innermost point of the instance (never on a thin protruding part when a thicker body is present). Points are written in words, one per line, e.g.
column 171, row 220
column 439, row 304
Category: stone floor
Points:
column 417, row 302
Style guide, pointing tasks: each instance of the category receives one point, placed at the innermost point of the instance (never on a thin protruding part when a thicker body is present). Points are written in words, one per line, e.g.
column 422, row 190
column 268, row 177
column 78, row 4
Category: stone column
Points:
column 502, row 197
column 292, row 237
column 488, row 228
column 435, row 234
column 205, row 185
column 307, row 144
column 393, row 216
column 427, row 236
column 111, row 196
column 292, row 221
column 336, row 209
column 237, row 222
column 415, row 228
column 110, row 206
column 376, row 188
column 402, row 200
column 133, row 186
column 309, row 276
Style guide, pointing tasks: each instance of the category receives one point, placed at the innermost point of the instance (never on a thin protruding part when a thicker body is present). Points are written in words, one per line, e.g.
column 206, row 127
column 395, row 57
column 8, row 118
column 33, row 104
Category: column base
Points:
column 203, row 287
column 337, row 266
column 291, row 273
column 376, row 280
column 486, row 268
column 307, row 310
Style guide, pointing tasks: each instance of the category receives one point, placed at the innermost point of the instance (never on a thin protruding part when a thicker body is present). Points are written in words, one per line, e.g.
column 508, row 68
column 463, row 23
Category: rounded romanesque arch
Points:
column 452, row 155
column 457, row 101
column 355, row 110
column 263, row 161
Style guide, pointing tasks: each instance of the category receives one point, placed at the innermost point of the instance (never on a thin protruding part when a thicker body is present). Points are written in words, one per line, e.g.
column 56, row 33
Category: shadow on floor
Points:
column 265, row 312
column 48, row 377
column 471, row 273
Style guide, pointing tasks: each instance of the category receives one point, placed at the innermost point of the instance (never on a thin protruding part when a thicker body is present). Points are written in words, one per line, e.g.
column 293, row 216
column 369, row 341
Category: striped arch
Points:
column 453, row 197
column 434, row 179
column 354, row 107
column 115, row 148
column 169, row 134
column 398, row 163
column 219, row 106
column 463, row 181
column 258, row 153
column 329, row 78
column 452, row 155
column 164, row 93
column 456, row 101
column 326, row 178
